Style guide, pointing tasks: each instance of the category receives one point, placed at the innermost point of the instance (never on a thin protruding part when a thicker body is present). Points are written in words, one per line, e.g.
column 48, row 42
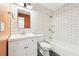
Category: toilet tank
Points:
column 41, row 38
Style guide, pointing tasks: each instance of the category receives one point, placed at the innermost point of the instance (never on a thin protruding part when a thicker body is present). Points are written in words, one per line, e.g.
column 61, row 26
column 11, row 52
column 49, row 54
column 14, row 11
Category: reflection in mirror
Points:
column 23, row 19
column 1, row 26
column 21, row 22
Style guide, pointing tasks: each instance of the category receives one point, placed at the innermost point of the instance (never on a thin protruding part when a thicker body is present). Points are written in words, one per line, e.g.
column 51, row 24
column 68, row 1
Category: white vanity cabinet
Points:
column 15, row 48
column 23, row 47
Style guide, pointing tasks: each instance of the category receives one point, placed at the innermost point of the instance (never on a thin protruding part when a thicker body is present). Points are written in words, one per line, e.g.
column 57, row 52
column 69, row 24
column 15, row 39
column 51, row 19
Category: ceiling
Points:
column 52, row 6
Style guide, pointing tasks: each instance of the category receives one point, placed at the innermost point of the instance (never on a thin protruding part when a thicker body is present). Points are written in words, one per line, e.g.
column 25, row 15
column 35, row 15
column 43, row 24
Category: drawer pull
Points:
column 25, row 47
column 32, row 40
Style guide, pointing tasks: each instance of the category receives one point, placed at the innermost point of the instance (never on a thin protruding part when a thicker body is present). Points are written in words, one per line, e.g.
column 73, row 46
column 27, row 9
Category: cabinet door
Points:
column 21, row 48
column 16, row 48
column 12, row 48
column 31, row 49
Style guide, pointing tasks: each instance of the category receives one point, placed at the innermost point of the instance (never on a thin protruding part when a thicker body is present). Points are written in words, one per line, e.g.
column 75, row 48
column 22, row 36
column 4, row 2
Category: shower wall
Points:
column 66, row 36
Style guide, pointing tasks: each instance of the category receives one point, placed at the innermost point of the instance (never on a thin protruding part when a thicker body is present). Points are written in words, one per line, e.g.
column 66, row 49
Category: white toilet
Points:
column 44, row 48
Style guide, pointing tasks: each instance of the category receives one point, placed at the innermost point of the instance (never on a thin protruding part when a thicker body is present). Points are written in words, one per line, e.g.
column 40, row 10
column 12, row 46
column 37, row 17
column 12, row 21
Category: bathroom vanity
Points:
column 23, row 45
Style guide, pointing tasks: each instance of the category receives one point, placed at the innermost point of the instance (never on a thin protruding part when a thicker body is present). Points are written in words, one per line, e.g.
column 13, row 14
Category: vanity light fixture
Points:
column 20, row 4
column 29, row 6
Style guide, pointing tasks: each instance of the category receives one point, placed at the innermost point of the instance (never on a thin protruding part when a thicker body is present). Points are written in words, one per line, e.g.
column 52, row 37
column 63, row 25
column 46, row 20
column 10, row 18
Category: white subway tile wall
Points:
column 66, row 21
column 39, row 22
column 14, row 19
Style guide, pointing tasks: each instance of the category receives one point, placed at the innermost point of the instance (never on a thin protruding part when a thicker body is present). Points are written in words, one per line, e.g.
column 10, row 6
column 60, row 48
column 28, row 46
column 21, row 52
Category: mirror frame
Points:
column 26, row 13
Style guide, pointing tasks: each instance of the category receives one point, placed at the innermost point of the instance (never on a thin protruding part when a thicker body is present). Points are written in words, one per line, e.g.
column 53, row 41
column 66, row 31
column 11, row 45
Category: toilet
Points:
column 44, row 48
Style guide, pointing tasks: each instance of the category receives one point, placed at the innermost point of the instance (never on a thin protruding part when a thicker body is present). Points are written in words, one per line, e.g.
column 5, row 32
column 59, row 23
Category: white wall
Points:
column 66, row 37
column 40, row 20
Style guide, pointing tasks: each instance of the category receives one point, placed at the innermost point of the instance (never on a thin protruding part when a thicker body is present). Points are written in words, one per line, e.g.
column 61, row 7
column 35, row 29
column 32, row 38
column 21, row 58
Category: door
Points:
column 16, row 48
column 31, row 49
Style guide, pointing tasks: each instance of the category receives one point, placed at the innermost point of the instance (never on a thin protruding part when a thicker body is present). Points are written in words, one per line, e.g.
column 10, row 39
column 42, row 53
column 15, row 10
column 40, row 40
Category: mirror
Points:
column 23, row 19
column 1, row 26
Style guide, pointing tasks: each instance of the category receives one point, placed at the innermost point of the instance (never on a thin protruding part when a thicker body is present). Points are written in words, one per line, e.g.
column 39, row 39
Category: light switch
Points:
column 1, row 26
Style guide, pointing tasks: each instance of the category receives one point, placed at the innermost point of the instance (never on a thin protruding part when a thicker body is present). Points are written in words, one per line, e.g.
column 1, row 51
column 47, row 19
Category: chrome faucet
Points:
column 23, row 32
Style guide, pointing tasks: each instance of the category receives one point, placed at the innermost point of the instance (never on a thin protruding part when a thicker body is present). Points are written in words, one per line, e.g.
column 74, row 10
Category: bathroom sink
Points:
column 28, row 34
column 20, row 36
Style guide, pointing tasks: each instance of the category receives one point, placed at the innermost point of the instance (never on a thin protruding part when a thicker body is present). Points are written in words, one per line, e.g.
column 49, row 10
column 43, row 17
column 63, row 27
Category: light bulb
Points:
column 29, row 7
column 20, row 4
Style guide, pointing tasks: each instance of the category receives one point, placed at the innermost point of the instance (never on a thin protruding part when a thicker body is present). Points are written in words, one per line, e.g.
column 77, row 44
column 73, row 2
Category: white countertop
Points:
column 20, row 36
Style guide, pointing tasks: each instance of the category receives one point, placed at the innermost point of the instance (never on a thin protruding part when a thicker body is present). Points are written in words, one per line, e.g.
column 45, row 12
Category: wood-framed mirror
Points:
column 23, row 19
